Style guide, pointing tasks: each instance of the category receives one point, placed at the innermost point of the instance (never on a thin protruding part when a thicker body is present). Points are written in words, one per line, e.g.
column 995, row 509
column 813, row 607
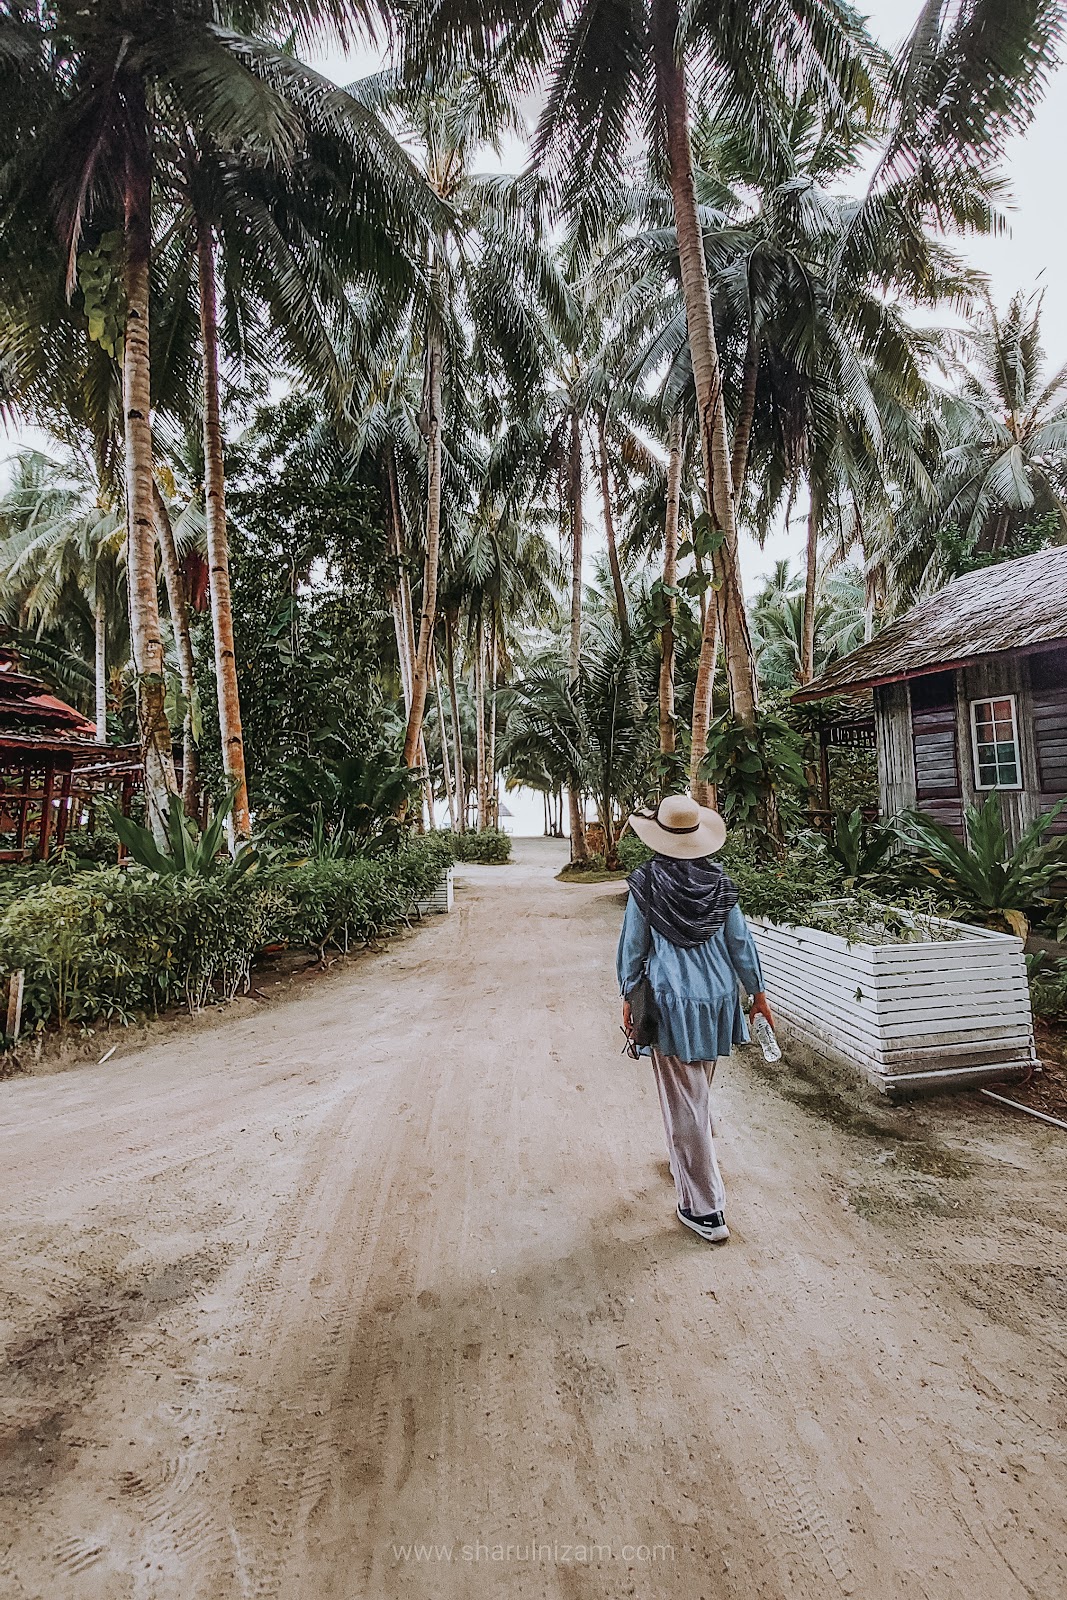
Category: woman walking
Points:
column 684, row 931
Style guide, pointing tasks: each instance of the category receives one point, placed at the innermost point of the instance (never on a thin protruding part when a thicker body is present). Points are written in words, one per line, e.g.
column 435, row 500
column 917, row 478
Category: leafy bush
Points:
column 756, row 770
column 856, row 847
column 490, row 847
column 116, row 944
column 1048, row 985
column 340, row 798
column 987, row 875
column 632, row 851
column 782, row 889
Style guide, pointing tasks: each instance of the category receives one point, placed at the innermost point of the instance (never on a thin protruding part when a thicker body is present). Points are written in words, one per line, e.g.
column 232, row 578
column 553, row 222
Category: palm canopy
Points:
column 1006, row 429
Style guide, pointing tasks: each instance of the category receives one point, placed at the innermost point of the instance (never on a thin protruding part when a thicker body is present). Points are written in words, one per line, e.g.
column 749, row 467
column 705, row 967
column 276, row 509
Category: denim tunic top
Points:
column 696, row 990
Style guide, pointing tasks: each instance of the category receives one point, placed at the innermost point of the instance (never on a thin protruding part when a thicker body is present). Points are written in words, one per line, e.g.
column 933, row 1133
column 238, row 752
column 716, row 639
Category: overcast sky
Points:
column 1030, row 255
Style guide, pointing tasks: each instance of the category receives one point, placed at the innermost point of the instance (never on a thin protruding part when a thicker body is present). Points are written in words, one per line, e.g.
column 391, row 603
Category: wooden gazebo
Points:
column 52, row 768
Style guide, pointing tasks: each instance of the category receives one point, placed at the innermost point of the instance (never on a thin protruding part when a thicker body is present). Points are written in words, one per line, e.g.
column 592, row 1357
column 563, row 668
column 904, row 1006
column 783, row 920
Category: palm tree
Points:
column 598, row 89
column 105, row 93
column 482, row 275
column 61, row 537
column 1004, row 454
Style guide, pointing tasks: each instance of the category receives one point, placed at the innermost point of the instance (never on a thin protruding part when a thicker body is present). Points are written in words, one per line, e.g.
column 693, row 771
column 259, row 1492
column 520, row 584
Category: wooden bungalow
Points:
column 53, row 772
column 969, row 695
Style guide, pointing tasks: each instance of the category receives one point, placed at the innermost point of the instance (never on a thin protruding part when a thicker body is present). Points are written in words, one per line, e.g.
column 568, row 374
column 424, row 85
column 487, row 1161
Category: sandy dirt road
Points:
column 341, row 1299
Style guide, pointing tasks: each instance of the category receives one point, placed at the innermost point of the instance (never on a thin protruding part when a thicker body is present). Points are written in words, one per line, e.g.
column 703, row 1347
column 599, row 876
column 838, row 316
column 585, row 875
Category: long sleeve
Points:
column 630, row 957
column 744, row 957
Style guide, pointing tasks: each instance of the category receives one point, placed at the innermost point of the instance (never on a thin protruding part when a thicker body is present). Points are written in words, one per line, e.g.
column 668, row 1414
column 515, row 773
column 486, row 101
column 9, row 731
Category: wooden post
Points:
column 46, row 808
column 24, row 810
column 64, row 809
column 824, row 767
column 15, row 988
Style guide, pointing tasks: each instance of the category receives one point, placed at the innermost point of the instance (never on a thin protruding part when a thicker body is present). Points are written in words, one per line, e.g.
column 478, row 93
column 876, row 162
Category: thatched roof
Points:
column 1013, row 606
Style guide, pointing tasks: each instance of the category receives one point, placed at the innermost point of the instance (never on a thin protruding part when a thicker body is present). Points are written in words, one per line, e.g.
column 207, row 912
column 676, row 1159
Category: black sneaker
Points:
column 712, row 1227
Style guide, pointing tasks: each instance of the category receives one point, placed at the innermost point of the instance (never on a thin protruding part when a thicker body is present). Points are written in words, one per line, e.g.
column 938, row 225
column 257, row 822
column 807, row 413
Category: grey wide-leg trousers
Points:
column 685, row 1098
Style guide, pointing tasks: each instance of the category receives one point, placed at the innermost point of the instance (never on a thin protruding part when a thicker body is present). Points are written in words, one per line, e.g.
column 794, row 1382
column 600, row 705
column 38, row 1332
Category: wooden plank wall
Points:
column 1042, row 720
column 896, row 755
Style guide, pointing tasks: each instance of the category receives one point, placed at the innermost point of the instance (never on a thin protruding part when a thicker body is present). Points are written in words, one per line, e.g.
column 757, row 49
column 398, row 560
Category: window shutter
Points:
column 938, row 792
column 1048, row 683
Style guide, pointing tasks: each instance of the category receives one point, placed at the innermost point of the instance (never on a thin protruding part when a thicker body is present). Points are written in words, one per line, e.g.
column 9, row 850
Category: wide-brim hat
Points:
column 679, row 827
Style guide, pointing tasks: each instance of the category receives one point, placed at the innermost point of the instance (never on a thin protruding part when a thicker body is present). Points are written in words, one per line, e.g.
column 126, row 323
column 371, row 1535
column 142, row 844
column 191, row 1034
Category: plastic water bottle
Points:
column 763, row 1034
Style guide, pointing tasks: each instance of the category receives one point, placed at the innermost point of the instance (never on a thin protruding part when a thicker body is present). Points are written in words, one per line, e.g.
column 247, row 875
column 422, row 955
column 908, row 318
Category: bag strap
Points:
column 647, row 956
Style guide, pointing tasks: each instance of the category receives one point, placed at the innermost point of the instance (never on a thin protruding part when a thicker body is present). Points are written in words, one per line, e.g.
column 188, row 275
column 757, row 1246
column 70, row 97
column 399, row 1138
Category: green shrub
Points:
column 1048, row 986
column 1001, row 882
column 113, row 945
column 491, row 847
column 632, row 851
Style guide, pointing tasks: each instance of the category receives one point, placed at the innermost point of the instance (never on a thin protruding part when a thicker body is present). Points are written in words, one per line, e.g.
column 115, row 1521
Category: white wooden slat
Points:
column 834, row 1011
column 927, row 1007
column 991, row 995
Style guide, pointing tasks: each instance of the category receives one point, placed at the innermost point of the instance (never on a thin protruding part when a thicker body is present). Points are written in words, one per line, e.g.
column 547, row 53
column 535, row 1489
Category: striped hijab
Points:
column 686, row 901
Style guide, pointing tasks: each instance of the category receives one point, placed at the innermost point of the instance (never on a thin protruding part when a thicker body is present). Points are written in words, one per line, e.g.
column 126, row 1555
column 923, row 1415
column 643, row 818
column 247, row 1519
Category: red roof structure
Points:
column 52, row 767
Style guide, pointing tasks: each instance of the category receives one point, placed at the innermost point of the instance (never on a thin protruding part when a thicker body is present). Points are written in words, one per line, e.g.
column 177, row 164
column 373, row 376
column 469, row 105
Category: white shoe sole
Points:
column 712, row 1235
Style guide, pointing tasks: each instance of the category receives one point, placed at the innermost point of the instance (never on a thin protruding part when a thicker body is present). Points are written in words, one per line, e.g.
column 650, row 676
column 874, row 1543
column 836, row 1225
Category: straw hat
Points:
column 680, row 828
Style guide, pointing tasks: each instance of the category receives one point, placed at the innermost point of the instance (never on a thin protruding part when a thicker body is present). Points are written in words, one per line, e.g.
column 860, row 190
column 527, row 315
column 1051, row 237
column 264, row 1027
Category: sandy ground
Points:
column 344, row 1298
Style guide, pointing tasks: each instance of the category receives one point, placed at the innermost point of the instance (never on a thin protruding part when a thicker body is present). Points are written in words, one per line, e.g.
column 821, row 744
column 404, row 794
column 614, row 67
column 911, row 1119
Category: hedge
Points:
column 490, row 847
column 114, row 945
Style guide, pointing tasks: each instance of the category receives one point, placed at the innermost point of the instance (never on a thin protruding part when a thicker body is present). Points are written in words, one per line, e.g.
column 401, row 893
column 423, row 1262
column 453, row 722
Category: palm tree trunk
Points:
column 579, row 849
column 609, row 533
column 420, row 675
column 457, row 731
column 400, row 588
column 699, row 787
column 811, row 572
column 574, row 510
column 218, row 552
column 746, row 413
column 711, row 409
column 100, row 660
column 178, row 605
column 145, row 636
column 446, row 765
column 667, row 735
column 479, row 720
column 490, row 777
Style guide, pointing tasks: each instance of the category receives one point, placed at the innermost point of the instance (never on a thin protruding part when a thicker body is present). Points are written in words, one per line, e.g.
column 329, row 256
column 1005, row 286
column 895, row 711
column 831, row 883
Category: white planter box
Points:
column 940, row 1014
column 443, row 897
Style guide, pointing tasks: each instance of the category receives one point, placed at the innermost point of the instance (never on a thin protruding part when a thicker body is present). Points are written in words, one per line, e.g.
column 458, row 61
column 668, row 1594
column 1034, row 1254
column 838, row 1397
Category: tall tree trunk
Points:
column 446, row 765
column 490, row 776
column 457, row 730
column 711, row 409
column 574, row 512
column 146, row 637
column 397, row 608
column 178, row 605
column 699, row 787
column 100, row 660
column 746, row 414
column 400, row 588
column 667, row 734
column 579, row 848
column 420, row 675
column 479, row 720
column 218, row 550
column 609, row 533
column 811, row 573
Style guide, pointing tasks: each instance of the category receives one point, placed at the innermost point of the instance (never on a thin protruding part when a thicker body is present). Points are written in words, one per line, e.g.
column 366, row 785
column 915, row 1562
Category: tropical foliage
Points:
column 337, row 412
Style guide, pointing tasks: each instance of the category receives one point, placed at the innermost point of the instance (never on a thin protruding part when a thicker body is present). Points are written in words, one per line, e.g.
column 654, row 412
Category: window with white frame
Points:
column 995, row 740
